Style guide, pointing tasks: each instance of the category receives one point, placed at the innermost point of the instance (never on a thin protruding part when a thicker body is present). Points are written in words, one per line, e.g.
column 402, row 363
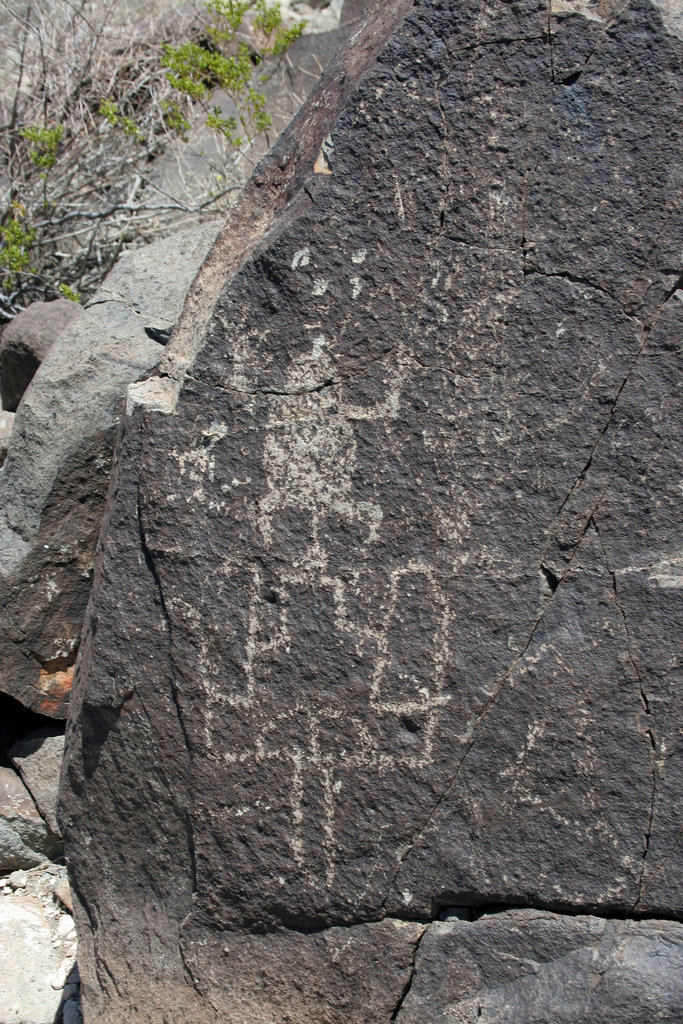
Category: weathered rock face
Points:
column 529, row 965
column 387, row 609
column 53, row 490
column 25, row 840
column 38, row 758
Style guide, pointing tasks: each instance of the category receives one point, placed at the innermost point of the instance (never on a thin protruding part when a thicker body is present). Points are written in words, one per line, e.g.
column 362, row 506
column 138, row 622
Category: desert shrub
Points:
column 90, row 99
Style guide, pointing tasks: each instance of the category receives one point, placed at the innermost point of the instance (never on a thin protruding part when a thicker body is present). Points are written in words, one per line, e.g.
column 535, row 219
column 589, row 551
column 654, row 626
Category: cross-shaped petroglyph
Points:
column 309, row 461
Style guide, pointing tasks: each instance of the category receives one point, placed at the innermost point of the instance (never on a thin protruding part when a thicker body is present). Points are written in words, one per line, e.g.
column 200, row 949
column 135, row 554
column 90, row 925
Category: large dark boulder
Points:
column 387, row 611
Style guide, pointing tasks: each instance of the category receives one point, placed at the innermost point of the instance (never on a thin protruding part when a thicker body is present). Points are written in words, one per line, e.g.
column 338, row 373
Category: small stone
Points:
column 58, row 979
column 63, row 893
column 18, row 880
column 65, row 926
column 63, row 974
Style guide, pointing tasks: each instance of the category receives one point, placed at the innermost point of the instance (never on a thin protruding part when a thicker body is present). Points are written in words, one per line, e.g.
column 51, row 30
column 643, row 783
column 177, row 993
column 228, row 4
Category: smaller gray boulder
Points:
column 54, row 483
column 38, row 759
column 25, row 839
column 25, row 343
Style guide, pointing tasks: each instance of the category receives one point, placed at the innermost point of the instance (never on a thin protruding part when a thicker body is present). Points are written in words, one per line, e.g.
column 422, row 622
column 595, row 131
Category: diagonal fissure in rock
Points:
column 181, row 806
column 409, row 983
column 650, row 727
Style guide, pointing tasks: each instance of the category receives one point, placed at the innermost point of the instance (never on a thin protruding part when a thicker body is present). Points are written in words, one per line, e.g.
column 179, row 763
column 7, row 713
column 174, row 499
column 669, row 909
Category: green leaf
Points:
column 16, row 241
column 197, row 70
column 225, row 126
column 110, row 111
column 175, row 119
column 231, row 12
column 68, row 293
column 46, row 142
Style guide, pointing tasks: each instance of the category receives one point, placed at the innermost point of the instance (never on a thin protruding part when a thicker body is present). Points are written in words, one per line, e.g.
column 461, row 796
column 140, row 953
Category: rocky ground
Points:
column 39, row 982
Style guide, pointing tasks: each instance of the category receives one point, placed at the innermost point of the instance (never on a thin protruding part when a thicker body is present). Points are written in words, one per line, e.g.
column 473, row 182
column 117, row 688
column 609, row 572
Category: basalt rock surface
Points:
column 38, row 758
column 25, row 839
column 387, row 608
column 528, row 965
